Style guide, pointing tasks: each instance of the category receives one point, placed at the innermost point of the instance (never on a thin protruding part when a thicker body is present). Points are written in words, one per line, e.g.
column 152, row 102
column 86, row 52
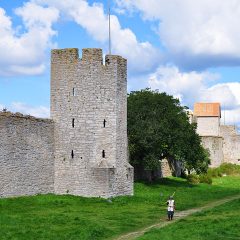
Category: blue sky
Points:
column 189, row 49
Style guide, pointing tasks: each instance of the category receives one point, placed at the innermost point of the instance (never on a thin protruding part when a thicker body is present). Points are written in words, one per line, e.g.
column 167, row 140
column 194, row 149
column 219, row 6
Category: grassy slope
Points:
column 220, row 223
column 69, row 217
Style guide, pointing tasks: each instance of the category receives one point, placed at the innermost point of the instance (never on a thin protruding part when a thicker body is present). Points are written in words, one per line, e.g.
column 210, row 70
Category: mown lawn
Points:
column 71, row 217
column 220, row 223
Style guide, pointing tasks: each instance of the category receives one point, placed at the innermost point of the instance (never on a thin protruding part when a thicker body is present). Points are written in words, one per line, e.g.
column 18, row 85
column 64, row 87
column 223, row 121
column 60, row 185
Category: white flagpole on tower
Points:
column 109, row 26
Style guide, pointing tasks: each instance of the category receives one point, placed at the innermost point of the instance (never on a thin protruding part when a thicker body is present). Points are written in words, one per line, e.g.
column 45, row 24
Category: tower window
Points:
column 104, row 123
column 72, row 154
column 73, row 122
column 73, row 92
column 103, row 154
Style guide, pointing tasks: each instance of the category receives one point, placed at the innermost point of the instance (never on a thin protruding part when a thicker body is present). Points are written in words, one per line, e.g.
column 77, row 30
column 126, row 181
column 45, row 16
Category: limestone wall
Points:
column 165, row 169
column 215, row 146
column 89, row 108
column 231, row 144
column 26, row 155
column 208, row 126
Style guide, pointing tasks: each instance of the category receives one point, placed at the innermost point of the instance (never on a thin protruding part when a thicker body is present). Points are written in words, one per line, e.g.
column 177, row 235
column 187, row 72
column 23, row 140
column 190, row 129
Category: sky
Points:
column 189, row 49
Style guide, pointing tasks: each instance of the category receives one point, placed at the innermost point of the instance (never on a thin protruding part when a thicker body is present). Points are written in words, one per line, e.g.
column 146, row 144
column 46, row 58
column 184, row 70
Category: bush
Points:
column 204, row 178
column 230, row 169
column 214, row 172
column 193, row 178
column 225, row 168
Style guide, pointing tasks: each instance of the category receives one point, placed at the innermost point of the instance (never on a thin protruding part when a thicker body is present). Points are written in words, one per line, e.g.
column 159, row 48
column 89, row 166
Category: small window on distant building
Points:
column 72, row 154
column 73, row 122
column 103, row 154
column 104, row 123
column 239, row 160
column 74, row 92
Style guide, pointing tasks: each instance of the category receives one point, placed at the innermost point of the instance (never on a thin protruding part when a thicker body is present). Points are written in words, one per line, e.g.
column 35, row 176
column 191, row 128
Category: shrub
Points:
column 204, row 178
column 214, row 172
column 193, row 178
column 225, row 168
column 230, row 169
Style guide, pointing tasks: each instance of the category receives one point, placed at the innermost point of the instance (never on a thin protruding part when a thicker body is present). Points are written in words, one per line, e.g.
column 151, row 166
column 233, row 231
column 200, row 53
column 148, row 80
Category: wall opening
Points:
column 103, row 154
column 73, row 122
column 74, row 92
column 104, row 123
column 72, row 154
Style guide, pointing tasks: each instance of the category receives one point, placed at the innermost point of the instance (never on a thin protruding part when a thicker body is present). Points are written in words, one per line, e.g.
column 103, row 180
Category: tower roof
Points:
column 207, row 109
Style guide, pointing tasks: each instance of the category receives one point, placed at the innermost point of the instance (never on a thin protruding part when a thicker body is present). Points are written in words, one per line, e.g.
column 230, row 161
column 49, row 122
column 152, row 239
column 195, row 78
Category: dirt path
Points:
column 177, row 216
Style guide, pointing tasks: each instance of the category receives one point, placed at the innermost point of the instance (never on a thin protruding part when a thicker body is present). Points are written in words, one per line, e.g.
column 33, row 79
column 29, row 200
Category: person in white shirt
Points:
column 170, row 208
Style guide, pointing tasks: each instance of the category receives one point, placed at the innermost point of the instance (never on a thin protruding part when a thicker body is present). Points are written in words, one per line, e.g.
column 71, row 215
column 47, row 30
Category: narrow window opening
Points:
column 73, row 92
column 104, row 123
column 239, row 160
column 73, row 122
column 103, row 154
column 72, row 154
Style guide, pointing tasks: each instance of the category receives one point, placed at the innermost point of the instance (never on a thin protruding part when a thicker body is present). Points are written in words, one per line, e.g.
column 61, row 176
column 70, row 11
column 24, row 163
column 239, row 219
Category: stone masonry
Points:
column 89, row 108
column 82, row 150
column 26, row 155
column 231, row 144
column 223, row 142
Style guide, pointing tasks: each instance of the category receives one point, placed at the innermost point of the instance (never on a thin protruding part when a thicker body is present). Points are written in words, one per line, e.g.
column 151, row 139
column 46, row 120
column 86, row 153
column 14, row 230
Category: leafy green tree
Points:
column 158, row 128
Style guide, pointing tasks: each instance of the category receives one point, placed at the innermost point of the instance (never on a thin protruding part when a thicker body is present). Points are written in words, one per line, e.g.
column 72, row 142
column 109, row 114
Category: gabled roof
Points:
column 207, row 110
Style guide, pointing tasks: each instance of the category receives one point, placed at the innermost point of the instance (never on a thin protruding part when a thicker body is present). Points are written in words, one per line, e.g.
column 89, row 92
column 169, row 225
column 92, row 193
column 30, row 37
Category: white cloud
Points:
column 196, row 33
column 1, row 107
column 231, row 117
column 191, row 87
column 23, row 49
column 223, row 93
column 187, row 86
column 39, row 111
column 36, row 111
column 24, row 52
column 142, row 56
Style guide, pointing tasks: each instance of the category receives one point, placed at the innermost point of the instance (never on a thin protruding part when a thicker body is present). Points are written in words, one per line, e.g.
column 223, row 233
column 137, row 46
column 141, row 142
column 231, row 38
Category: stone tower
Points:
column 89, row 108
column 207, row 116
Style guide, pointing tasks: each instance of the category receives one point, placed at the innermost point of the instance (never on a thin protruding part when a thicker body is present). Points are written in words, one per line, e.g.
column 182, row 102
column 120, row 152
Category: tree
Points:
column 158, row 128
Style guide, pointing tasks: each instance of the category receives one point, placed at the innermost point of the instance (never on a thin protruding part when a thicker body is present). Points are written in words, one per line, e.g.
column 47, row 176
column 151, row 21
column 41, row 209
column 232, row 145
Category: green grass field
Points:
column 70, row 217
column 220, row 223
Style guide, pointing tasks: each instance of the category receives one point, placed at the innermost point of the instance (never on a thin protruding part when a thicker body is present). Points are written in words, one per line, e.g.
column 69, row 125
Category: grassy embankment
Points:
column 222, row 222
column 70, row 217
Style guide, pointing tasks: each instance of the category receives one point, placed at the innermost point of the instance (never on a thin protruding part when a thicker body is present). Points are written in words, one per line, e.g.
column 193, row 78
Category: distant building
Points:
column 222, row 141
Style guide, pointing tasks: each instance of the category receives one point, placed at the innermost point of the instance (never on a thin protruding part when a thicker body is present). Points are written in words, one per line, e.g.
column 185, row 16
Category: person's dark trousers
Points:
column 170, row 215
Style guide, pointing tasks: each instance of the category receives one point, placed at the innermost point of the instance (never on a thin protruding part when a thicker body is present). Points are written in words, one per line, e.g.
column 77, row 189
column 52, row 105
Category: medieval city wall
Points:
column 231, row 144
column 89, row 109
column 215, row 146
column 26, row 155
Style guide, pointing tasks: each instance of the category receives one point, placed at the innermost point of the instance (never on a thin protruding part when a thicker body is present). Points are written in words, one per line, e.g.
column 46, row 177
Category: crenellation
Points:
column 65, row 55
column 90, row 55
